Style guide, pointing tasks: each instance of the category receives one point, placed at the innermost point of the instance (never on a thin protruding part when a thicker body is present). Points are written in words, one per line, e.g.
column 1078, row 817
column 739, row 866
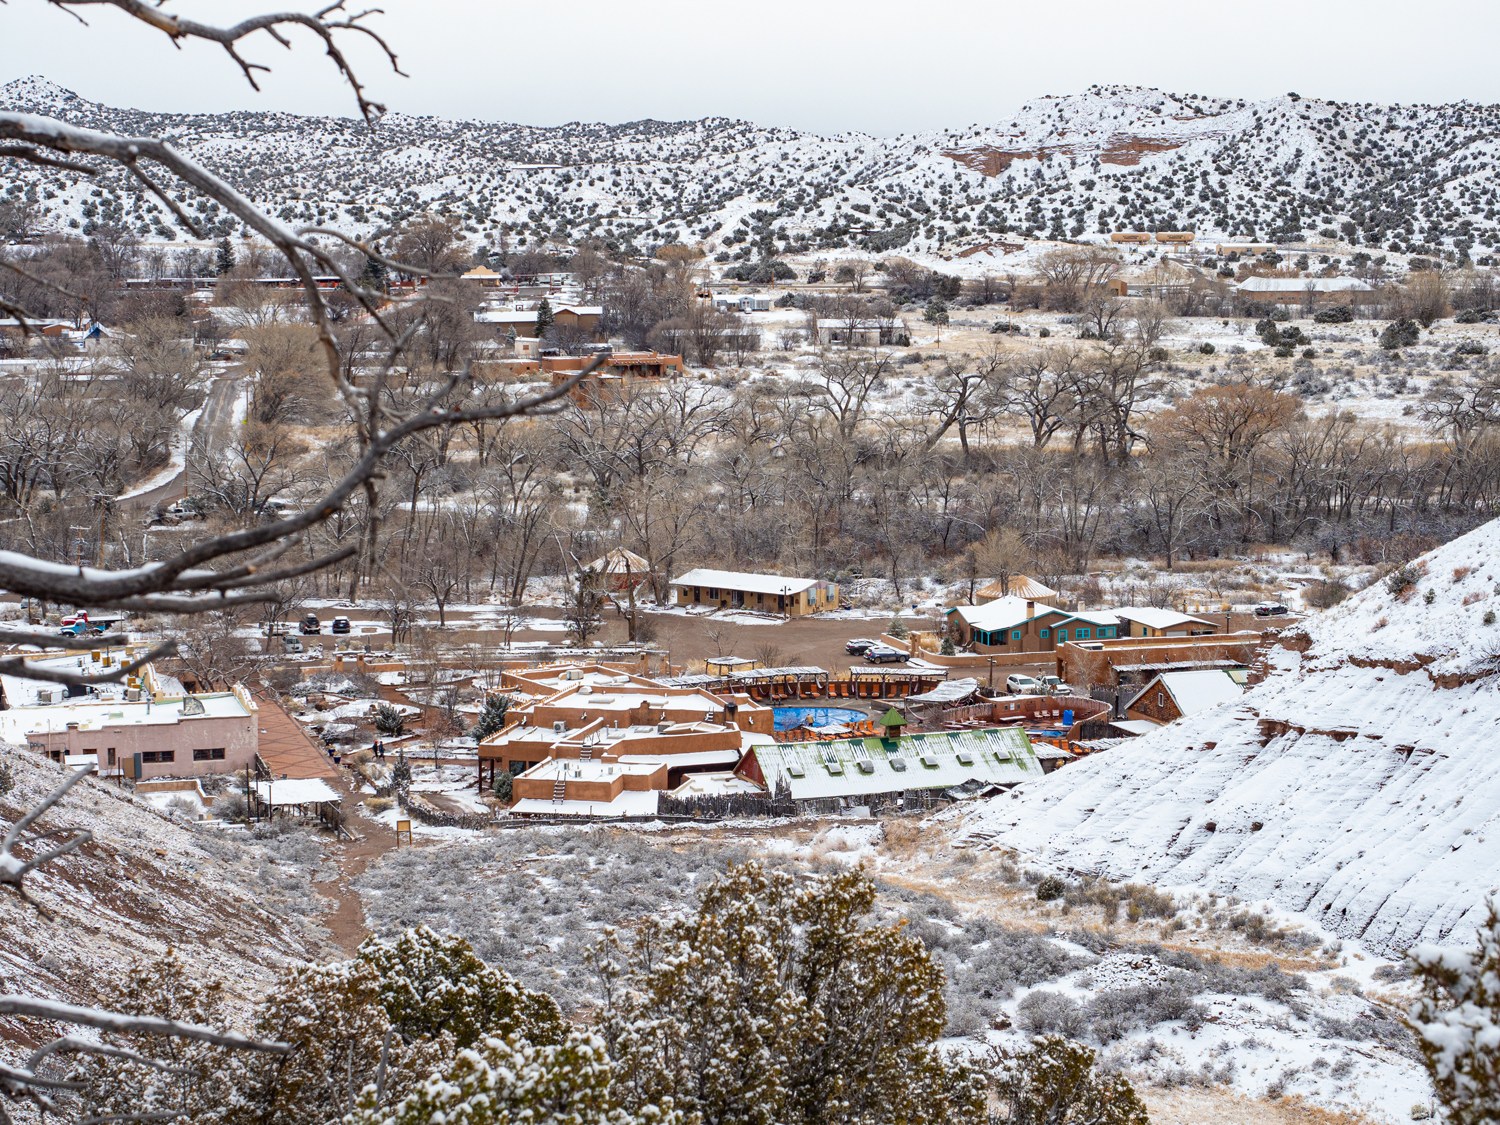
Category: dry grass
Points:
column 1186, row 1106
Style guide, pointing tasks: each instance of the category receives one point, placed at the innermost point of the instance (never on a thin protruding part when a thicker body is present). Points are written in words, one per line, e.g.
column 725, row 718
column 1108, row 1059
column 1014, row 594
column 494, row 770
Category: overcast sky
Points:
column 820, row 65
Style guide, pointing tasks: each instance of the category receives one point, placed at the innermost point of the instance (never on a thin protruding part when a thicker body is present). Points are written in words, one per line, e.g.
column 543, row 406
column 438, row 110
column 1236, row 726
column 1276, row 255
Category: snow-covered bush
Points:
column 1054, row 1082
column 1457, row 1020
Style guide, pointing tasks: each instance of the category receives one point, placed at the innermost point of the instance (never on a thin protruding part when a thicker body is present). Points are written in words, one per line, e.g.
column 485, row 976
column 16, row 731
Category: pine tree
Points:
column 780, row 1001
column 225, row 261
column 491, row 717
column 374, row 276
column 506, row 1081
column 544, row 319
column 433, row 984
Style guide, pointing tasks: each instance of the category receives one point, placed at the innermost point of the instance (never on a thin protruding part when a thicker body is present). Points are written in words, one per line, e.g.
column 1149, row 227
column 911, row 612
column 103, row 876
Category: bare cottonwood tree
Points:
column 234, row 567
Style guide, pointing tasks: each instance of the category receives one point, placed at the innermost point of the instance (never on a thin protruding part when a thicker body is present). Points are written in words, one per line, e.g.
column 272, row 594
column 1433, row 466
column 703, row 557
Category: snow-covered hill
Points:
column 1359, row 783
column 147, row 883
column 1408, row 179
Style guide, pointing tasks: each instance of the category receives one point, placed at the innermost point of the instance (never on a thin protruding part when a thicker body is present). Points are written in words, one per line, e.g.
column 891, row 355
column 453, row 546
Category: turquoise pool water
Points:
column 790, row 718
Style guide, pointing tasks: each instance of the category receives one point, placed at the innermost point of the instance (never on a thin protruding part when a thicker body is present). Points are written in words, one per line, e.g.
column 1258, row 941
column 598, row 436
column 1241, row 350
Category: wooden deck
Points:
column 285, row 747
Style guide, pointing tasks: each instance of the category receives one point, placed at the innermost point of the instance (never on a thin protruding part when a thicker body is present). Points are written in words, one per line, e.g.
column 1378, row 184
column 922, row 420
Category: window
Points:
column 1082, row 633
column 1161, row 699
column 1106, row 631
column 111, row 760
column 1042, row 633
column 1062, row 634
column 216, row 754
column 1015, row 634
column 999, row 638
column 159, row 756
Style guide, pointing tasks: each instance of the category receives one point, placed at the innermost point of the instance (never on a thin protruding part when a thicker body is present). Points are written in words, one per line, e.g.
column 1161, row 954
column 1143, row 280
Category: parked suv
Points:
column 1018, row 684
column 860, row 645
column 884, row 654
column 1270, row 609
column 1054, row 685
column 311, row 624
column 339, row 625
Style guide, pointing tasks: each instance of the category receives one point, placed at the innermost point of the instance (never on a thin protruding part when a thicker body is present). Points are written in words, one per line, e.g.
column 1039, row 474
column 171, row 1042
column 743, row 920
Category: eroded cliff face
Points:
column 1357, row 783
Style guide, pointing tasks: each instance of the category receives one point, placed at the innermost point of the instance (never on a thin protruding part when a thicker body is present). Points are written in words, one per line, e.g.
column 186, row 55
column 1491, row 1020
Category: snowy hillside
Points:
column 1359, row 783
column 147, row 883
column 1408, row 179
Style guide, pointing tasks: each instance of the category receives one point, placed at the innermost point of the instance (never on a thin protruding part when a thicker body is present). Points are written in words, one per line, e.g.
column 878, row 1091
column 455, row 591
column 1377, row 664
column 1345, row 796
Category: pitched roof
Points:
column 1153, row 618
column 1020, row 585
column 1193, row 691
column 1002, row 613
column 745, row 582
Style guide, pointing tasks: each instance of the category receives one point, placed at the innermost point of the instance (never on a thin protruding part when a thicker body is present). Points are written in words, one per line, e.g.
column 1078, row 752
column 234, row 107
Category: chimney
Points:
column 1030, row 609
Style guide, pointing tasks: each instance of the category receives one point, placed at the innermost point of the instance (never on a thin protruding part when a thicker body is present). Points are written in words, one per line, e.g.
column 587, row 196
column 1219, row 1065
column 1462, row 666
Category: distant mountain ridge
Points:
column 1406, row 179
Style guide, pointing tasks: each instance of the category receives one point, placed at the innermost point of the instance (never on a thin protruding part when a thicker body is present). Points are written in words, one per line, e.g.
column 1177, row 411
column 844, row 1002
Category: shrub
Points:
column 1050, row 1013
column 1338, row 314
column 7, row 778
column 1050, row 889
column 1401, row 581
column 1284, row 351
column 1054, row 1082
column 1489, row 617
column 1206, row 348
column 1471, row 316
column 1457, row 1021
column 1328, row 592
column 1399, row 334
column 1044, row 332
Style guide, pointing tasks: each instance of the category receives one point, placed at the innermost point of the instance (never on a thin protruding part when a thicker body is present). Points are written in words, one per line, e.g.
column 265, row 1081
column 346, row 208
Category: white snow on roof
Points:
column 1299, row 284
column 950, row 691
column 1002, row 613
column 296, row 791
column 863, row 767
column 1153, row 618
column 1193, row 691
column 18, row 722
column 1357, row 783
column 746, row 582
column 628, row 803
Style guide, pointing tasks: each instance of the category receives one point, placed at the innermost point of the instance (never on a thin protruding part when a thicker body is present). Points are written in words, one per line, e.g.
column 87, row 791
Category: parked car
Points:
column 885, row 654
column 1054, row 685
column 859, row 646
column 1270, row 609
column 291, row 643
column 1018, row 684
column 339, row 625
column 311, row 624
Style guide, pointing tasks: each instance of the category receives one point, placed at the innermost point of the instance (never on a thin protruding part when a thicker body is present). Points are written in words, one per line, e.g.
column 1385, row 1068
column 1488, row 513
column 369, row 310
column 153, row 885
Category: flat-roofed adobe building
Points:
column 149, row 730
column 763, row 593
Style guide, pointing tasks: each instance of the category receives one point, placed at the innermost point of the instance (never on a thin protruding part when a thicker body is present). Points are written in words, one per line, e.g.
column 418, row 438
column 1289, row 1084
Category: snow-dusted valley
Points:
column 1403, row 179
column 758, row 628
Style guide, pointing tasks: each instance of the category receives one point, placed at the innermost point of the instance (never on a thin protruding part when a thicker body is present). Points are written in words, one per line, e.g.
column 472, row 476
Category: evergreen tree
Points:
column 1457, row 1021
column 225, row 261
column 1053, row 1082
column 780, row 1001
column 936, row 311
column 491, row 717
column 433, row 984
column 374, row 276
column 897, row 628
column 544, row 319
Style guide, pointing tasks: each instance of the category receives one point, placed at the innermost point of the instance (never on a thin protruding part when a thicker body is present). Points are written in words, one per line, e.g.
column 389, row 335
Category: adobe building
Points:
column 762, row 593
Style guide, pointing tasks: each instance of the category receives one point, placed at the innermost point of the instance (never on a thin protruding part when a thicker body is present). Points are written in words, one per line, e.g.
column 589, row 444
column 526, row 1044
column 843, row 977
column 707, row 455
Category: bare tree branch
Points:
column 177, row 29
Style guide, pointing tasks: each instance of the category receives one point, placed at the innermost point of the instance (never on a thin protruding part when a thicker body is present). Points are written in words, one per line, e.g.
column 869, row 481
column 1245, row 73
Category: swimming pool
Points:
column 790, row 718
